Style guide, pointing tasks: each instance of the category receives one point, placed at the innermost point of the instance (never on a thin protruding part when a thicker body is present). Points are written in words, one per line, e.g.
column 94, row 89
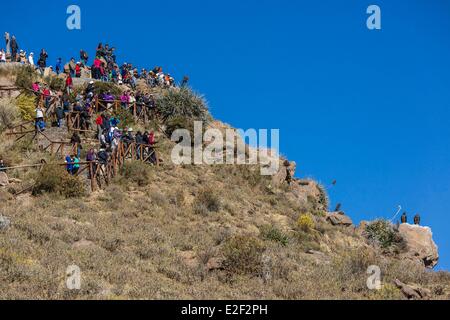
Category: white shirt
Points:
column 31, row 60
column 39, row 113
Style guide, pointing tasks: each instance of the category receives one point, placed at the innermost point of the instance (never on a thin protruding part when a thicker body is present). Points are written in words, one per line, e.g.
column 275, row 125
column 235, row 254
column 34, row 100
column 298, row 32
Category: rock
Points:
column 4, row 223
column 81, row 244
column 14, row 180
column 362, row 228
column 420, row 244
column 280, row 177
column 4, row 181
column 339, row 219
column 189, row 258
column 412, row 291
column 214, row 263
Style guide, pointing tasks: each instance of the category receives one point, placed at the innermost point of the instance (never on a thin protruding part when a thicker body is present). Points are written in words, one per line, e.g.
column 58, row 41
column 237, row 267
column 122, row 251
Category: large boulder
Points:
column 4, row 181
column 339, row 219
column 412, row 291
column 420, row 244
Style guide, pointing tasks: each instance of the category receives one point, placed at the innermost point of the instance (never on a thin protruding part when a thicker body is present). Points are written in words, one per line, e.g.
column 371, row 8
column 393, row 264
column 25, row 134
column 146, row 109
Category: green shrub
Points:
column 55, row 83
column 179, row 122
column 8, row 113
column 182, row 102
column 273, row 234
column 243, row 255
column 137, row 172
column 207, row 201
column 102, row 87
column 382, row 233
column 25, row 77
column 55, row 179
column 26, row 103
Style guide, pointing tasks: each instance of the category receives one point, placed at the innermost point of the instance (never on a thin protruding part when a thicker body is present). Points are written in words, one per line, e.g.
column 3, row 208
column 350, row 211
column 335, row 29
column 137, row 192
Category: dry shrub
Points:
column 387, row 292
column 206, row 201
column 55, row 179
column 382, row 233
column 136, row 172
column 243, row 255
column 8, row 113
column 273, row 234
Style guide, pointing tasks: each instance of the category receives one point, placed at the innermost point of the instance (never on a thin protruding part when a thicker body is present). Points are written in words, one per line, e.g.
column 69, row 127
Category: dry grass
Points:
column 143, row 238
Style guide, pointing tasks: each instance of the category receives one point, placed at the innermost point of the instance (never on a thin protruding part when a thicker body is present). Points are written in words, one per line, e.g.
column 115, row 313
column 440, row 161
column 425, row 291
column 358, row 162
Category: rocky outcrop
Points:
column 286, row 169
column 339, row 219
column 412, row 291
column 420, row 245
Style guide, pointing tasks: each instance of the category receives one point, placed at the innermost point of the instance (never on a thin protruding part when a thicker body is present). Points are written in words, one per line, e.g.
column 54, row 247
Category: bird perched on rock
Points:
column 417, row 219
column 404, row 218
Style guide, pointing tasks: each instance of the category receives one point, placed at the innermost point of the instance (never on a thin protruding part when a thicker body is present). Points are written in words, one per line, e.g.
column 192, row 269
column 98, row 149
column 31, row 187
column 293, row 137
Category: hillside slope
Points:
column 195, row 232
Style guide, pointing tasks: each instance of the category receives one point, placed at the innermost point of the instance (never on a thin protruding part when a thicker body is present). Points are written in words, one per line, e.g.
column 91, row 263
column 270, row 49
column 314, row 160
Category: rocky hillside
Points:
column 199, row 232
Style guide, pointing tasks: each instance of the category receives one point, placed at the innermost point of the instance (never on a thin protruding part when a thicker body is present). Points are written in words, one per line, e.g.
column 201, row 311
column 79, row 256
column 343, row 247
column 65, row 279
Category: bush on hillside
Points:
column 182, row 102
column 323, row 200
column 26, row 103
column 137, row 172
column 383, row 234
column 273, row 234
column 8, row 113
column 101, row 87
column 207, row 200
column 55, row 179
column 305, row 222
column 125, row 116
column 244, row 255
column 25, row 77
column 55, row 83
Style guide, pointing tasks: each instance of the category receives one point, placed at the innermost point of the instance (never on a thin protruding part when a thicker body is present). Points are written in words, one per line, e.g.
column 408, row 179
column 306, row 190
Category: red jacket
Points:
column 69, row 81
column 99, row 120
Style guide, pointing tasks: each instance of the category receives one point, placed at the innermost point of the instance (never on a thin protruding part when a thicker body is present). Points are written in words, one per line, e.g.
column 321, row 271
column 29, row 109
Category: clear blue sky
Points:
column 370, row 109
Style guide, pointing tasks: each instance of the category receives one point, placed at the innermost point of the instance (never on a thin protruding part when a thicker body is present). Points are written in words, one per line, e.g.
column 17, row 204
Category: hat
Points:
column 91, row 82
column 130, row 130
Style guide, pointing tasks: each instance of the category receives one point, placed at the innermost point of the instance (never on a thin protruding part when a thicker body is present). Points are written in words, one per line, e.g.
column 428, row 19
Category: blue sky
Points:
column 368, row 108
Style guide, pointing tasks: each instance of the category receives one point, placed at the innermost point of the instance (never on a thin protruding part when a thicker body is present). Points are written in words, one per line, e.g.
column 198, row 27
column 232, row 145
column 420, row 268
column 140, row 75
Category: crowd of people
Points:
column 104, row 66
column 94, row 117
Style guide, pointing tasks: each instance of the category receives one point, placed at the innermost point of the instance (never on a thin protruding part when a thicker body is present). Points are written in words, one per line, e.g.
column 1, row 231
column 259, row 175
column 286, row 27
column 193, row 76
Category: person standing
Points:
column 31, row 59
column 40, row 124
column 84, row 57
column 14, row 49
column 58, row 66
column 2, row 56
column 69, row 84
column 8, row 43
column 42, row 60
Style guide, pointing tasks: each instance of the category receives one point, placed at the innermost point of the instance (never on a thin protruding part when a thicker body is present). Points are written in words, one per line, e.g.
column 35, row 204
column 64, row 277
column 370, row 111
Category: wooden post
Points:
column 92, row 175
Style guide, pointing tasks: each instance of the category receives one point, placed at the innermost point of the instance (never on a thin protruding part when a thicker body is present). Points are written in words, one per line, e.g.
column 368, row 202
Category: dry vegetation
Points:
column 187, row 232
column 147, row 240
